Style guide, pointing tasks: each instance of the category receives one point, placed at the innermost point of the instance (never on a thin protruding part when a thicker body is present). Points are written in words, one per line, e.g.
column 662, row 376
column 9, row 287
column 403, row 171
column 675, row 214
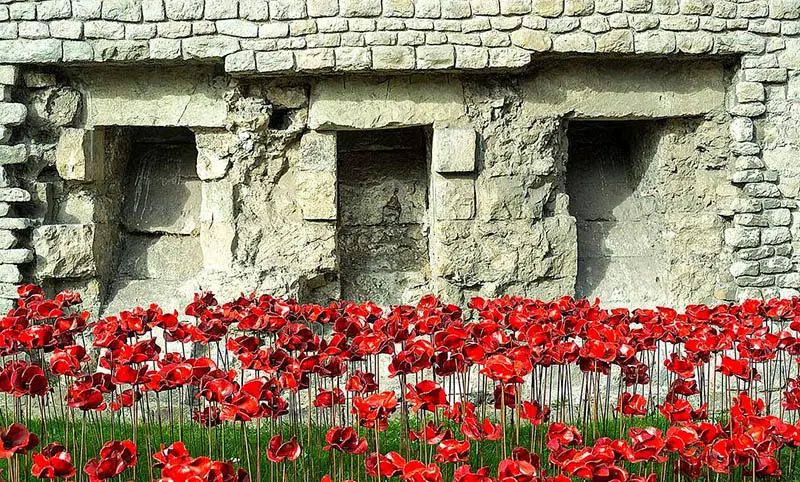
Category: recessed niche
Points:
column 382, row 234
column 621, row 253
column 159, row 247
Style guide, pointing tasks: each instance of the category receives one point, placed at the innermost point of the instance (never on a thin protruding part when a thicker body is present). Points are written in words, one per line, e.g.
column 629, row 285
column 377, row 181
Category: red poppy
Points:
column 511, row 470
column 632, row 405
column 416, row 471
column 389, row 465
column 464, row 474
column 345, row 440
column 16, row 439
column 534, row 412
column 562, row 435
column 431, row 434
column 53, row 462
column 452, row 451
column 426, row 395
column 646, row 445
column 278, row 451
column 738, row 368
column 374, row 410
column 329, row 398
column 474, row 430
column 115, row 457
column 361, row 382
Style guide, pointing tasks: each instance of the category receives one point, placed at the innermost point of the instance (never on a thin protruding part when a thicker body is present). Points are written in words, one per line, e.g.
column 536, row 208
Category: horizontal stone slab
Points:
column 12, row 114
column 15, row 224
column 14, row 195
column 16, row 256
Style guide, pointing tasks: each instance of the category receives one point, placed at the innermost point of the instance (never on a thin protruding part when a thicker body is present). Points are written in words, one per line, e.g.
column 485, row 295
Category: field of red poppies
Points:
column 505, row 390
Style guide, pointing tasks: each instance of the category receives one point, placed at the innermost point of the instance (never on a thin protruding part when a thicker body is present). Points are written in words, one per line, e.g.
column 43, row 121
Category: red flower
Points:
column 375, row 409
column 53, row 462
column 431, row 434
column 508, row 370
column 16, row 439
column 738, row 368
column 361, row 382
column 561, row 435
column 480, row 431
column 278, row 451
column 416, row 471
column 646, row 445
column 115, row 457
column 452, row 451
column 329, row 398
column 345, row 440
column 534, row 412
column 426, row 395
column 389, row 465
column 464, row 474
column 511, row 470
column 632, row 405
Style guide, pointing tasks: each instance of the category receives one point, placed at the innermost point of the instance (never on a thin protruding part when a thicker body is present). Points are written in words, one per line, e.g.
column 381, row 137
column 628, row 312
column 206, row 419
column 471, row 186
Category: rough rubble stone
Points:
column 17, row 154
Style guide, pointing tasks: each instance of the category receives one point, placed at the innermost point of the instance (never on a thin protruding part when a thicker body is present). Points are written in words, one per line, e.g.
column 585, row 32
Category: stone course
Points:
column 503, row 84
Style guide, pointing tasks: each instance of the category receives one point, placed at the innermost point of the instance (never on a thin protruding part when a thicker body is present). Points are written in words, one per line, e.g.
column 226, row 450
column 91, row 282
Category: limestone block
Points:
column 742, row 129
column 25, row 51
column 743, row 237
column 16, row 256
column 279, row 61
column 244, row 61
column 9, row 273
column 209, row 46
column 784, row 9
column 166, row 257
column 184, row 9
column 453, row 150
column 219, row 9
column 318, row 152
column 80, row 155
column 184, row 96
column 7, row 240
column 17, row 154
column 316, row 195
column 214, row 149
column 374, row 103
column 360, row 8
column 122, row 10
column 436, row 56
column 535, row 40
column 5, row 134
column 393, row 58
column 9, row 74
column 592, row 90
column 13, row 195
column 217, row 225
column 64, row 250
column 15, row 224
column 454, row 197
column 12, row 114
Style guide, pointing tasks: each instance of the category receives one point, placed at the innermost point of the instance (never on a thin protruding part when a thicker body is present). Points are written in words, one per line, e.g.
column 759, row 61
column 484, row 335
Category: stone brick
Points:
column 15, row 224
column 453, row 198
column 86, row 9
column 360, row 8
column 30, row 51
column 13, row 195
column 744, row 268
column 454, row 150
column 7, row 240
column 64, row 251
column 749, row 92
column 655, row 42
column 436, row 56
column 287, row 9
column 237, row 28
column 615, row 41
column 162, row 48
column 122, row 10
column 535, row 40
column 743, row 237
column 9, row 273
column 183, row 9
column 784, row 9
column 12, row 113
column 13, row 154
column 9, row 75
column 353, row 58
column 221, row 9
column 53, row 9
column 315, row 59
column 548, row 8
column 274, row 61
column 209, row 47
column 153, row 10
column 776, row 265
column 66, row 29
column 16, row 256
column 80, row 155
column 316, row 195
column 244, row 61
column 393, row 58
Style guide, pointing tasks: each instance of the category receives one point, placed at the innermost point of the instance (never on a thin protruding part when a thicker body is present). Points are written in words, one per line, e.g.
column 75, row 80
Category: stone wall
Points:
column 495, row 83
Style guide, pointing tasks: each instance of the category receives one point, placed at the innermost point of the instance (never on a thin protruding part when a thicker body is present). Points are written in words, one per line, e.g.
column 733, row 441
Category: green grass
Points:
column 234, row 441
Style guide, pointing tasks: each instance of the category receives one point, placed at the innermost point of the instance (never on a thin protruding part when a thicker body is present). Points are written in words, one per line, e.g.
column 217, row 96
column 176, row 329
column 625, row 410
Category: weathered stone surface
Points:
column 9, row 74
column 318, row 152
column 64, row 250
column 167, row 257
column 12, row 114
column 15, row 256
column 217, row 231
column 30, row 51
column 214, row 149
column 592, row 91
column 370, row 104
column 14, row 195
column 164, row 96
column 453, row 150
column 13, row 154
column 9, row 273
column 454, row 197
column 316, row 195
column 80, row 154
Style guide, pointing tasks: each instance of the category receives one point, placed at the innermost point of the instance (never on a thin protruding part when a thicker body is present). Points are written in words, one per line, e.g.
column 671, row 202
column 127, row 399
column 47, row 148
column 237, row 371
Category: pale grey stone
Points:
column 86, row 9
column 30, row 51
column 122, row 10
column 17, row 154
column 14, row 195
column 140, row 31
column 393, row 58
column 214, row 149
column 784, row 9
column 360, row 8
column 742, row 129
column 34, row 30
column 435, row 56
column 654, row 42
column 64, row 251
column 66, row 29
column 535, row 40
column 776, row 235
column 12, row 113
column 453, row 150
column 743, row 237
column 53, row 9
column 353, row 58
column 121, row 50
column 7, row 240
column 453, row 197
column 515, row 7
column 244, row 61
column 15, row 256
column 548, row 8
column 163, row 48
column 274, row 61
column 209, row 47
column 318, row 152
column 273, row 30
column 237, row 28
column 287, row 9
column 153, row 10
column 101, row 29
column 9, row 74
column 221, row 9
column 15, row 224
column 315, row 59
column 744, row 268
column 183, row 9
column 78, row 51
column 9, row 273
column 80, row 154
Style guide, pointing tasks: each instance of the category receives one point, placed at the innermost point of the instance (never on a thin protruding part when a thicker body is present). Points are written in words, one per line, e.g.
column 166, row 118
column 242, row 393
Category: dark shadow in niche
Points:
column 606, row 164
column 382, row 238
